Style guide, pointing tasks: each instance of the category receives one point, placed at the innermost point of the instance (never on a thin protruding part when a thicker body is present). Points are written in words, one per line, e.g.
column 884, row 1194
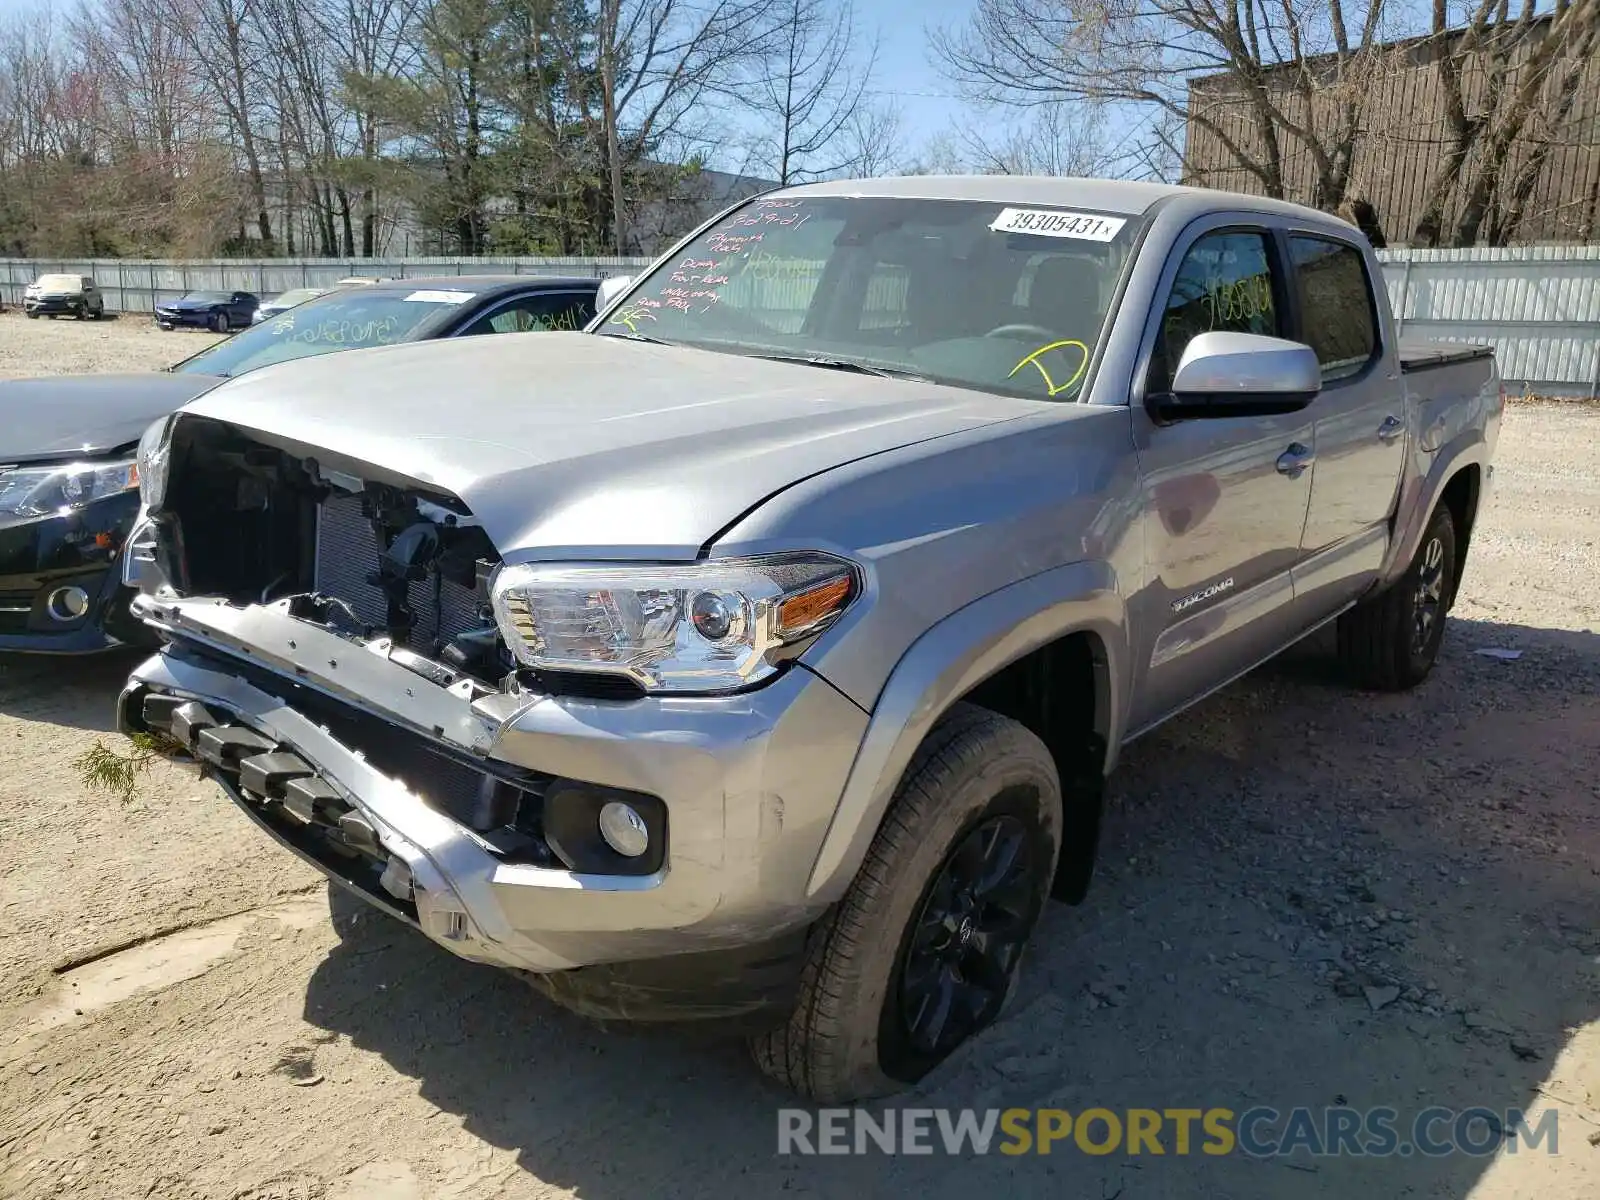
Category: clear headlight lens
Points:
column 155, row 455
column 46, row 491
column 700, row 627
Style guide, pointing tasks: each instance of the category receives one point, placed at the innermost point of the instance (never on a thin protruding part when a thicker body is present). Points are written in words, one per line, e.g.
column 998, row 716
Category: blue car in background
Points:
column 216, row 311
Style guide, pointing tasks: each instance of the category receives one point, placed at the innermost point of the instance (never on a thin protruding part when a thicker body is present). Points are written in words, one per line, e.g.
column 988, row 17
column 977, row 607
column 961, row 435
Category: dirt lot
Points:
column 1309, row 897
column 65, row 346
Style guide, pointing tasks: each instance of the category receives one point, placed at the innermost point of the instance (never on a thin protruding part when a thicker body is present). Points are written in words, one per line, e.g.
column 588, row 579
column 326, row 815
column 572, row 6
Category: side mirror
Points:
column 610, row 289
column 1239, row 375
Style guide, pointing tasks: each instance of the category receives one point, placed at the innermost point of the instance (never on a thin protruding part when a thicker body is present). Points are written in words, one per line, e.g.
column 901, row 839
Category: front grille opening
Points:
column 253, row 523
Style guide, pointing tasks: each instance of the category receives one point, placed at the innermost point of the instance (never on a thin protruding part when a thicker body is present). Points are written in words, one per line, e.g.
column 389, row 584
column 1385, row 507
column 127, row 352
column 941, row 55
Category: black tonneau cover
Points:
column 1423, row 356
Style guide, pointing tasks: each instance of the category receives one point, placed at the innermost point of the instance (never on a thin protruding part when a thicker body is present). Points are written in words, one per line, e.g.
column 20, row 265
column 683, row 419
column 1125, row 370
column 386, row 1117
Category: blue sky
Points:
column 926, row 100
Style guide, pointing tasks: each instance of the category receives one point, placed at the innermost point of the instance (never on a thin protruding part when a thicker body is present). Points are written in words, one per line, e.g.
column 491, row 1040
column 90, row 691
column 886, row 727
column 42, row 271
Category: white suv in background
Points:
column 63, row 295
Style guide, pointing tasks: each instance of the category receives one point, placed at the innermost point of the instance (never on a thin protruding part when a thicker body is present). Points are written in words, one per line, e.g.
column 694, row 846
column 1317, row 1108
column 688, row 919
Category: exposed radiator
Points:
column 348, row 551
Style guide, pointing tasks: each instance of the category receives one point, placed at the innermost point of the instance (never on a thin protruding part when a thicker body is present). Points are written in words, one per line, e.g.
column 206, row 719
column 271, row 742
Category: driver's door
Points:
column 1225, row 498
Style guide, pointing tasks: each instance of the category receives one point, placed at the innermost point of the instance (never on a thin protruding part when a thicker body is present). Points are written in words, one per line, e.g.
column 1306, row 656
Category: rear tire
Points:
column 1390, row 642
column 923, row 950
column 219, row 323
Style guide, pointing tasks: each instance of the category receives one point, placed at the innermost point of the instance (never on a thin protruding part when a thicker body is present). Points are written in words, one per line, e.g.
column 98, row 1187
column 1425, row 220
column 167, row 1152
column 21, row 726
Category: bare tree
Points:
column 1549, row 128
column 656, row 60
column 1057, row 139
column 1517, row 58
column 224, row 42
column 874, row 138
column 810, row 88
column 1298, row 69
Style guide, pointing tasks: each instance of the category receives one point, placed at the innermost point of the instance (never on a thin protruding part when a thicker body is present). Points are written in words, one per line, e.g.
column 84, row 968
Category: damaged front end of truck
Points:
column 335, row 660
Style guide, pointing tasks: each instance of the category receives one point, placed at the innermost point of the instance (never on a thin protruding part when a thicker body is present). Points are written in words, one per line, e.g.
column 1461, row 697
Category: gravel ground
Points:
column 1308, row 896
column 66, row 347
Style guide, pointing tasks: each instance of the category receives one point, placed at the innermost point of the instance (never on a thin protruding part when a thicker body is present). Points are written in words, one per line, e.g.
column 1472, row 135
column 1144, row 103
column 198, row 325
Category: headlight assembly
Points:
column 713, row 626
column 46, row 491
column 155, row 455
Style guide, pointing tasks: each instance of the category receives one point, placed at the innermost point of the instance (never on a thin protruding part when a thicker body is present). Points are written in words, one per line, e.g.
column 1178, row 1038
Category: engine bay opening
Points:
column 366, row 558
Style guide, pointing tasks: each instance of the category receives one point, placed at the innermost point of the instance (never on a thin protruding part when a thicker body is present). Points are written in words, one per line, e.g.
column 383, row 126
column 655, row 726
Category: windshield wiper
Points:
column 844, row 364
column 635, row 337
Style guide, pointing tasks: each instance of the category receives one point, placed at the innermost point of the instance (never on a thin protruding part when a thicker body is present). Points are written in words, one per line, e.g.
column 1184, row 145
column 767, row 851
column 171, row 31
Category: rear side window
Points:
column 1224, row 285
column 1336, row 307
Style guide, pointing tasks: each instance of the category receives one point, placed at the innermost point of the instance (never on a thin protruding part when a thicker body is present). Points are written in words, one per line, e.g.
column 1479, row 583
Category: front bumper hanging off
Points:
column 302, row 728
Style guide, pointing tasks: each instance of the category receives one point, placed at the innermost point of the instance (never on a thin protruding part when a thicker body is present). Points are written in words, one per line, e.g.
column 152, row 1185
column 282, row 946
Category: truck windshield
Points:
column 1008, row 299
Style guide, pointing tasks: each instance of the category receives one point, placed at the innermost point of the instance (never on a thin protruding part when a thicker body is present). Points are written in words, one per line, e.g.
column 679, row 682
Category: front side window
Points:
column 977, row 294
column 1336, row 307
column 1225, row 284
column 545, row 313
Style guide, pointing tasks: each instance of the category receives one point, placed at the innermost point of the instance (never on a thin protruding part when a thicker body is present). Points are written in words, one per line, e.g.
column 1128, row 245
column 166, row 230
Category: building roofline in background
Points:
column 1406, row 43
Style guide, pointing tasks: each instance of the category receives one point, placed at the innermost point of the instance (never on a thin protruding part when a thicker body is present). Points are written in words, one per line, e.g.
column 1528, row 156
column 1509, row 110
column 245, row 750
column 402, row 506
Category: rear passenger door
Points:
column 1359, row 422
column 1225, row 498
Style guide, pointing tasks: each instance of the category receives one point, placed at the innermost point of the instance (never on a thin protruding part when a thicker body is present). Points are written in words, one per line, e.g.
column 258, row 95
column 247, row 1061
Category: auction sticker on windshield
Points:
column 1042, row 222
column 432, row 297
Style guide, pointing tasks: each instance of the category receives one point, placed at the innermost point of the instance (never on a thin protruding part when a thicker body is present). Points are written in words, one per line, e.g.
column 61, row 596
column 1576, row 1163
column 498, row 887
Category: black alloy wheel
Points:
column 968, row 936
column 1427, row 601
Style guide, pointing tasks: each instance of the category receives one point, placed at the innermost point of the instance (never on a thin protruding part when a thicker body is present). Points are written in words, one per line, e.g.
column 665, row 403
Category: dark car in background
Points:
column 389, row 311
column 63, row 296
column 216, row 311
column 68, row 485
column 69, row 493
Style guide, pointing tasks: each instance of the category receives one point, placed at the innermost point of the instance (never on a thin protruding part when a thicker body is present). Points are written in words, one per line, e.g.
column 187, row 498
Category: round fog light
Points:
column 623, row 829
column 68, row 603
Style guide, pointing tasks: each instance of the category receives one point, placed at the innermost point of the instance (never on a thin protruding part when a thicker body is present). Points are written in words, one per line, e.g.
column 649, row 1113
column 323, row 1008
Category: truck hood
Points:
column 62, row 416
column 576, row 445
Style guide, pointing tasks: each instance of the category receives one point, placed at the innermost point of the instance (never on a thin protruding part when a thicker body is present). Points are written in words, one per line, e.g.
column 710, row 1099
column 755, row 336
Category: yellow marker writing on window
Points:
column 1051, row 386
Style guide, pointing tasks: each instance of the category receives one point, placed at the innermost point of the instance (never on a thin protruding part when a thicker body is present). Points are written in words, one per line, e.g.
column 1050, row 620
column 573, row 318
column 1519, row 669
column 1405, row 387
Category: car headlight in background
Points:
column 47, row 491
column 154, row 456
column 712, row 626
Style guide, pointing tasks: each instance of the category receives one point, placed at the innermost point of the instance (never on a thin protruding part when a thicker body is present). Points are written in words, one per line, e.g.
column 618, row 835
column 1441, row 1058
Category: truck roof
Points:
column 1123, row 197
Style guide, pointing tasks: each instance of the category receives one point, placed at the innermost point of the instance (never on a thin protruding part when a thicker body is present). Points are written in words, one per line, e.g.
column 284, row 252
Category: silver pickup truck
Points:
column 761, row 651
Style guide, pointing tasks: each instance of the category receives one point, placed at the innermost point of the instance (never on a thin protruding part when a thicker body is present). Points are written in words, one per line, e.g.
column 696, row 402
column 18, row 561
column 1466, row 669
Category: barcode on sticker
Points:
column 1046, row 222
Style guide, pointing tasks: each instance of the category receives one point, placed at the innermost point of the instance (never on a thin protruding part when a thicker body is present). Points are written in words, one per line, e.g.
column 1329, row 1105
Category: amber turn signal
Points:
column 805, row 610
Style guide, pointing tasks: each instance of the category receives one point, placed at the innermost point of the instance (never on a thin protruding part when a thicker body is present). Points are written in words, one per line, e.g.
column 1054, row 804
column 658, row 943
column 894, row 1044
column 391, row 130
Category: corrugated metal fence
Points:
column 136, row 286
column 1538, row 306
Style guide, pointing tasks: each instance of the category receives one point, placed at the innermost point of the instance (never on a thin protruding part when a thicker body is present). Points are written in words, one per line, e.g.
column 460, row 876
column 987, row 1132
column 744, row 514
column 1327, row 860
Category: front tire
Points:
column 1390, row 642
column 923, row 950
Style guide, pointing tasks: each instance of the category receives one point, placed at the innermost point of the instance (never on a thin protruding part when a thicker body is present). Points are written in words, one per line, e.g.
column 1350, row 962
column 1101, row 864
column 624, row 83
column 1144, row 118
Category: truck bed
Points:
column 1416, row 355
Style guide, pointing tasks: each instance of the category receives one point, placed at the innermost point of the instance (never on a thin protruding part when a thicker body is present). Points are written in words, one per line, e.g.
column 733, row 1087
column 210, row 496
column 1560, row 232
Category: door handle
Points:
column 1391, row 428
column 1295, row 459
